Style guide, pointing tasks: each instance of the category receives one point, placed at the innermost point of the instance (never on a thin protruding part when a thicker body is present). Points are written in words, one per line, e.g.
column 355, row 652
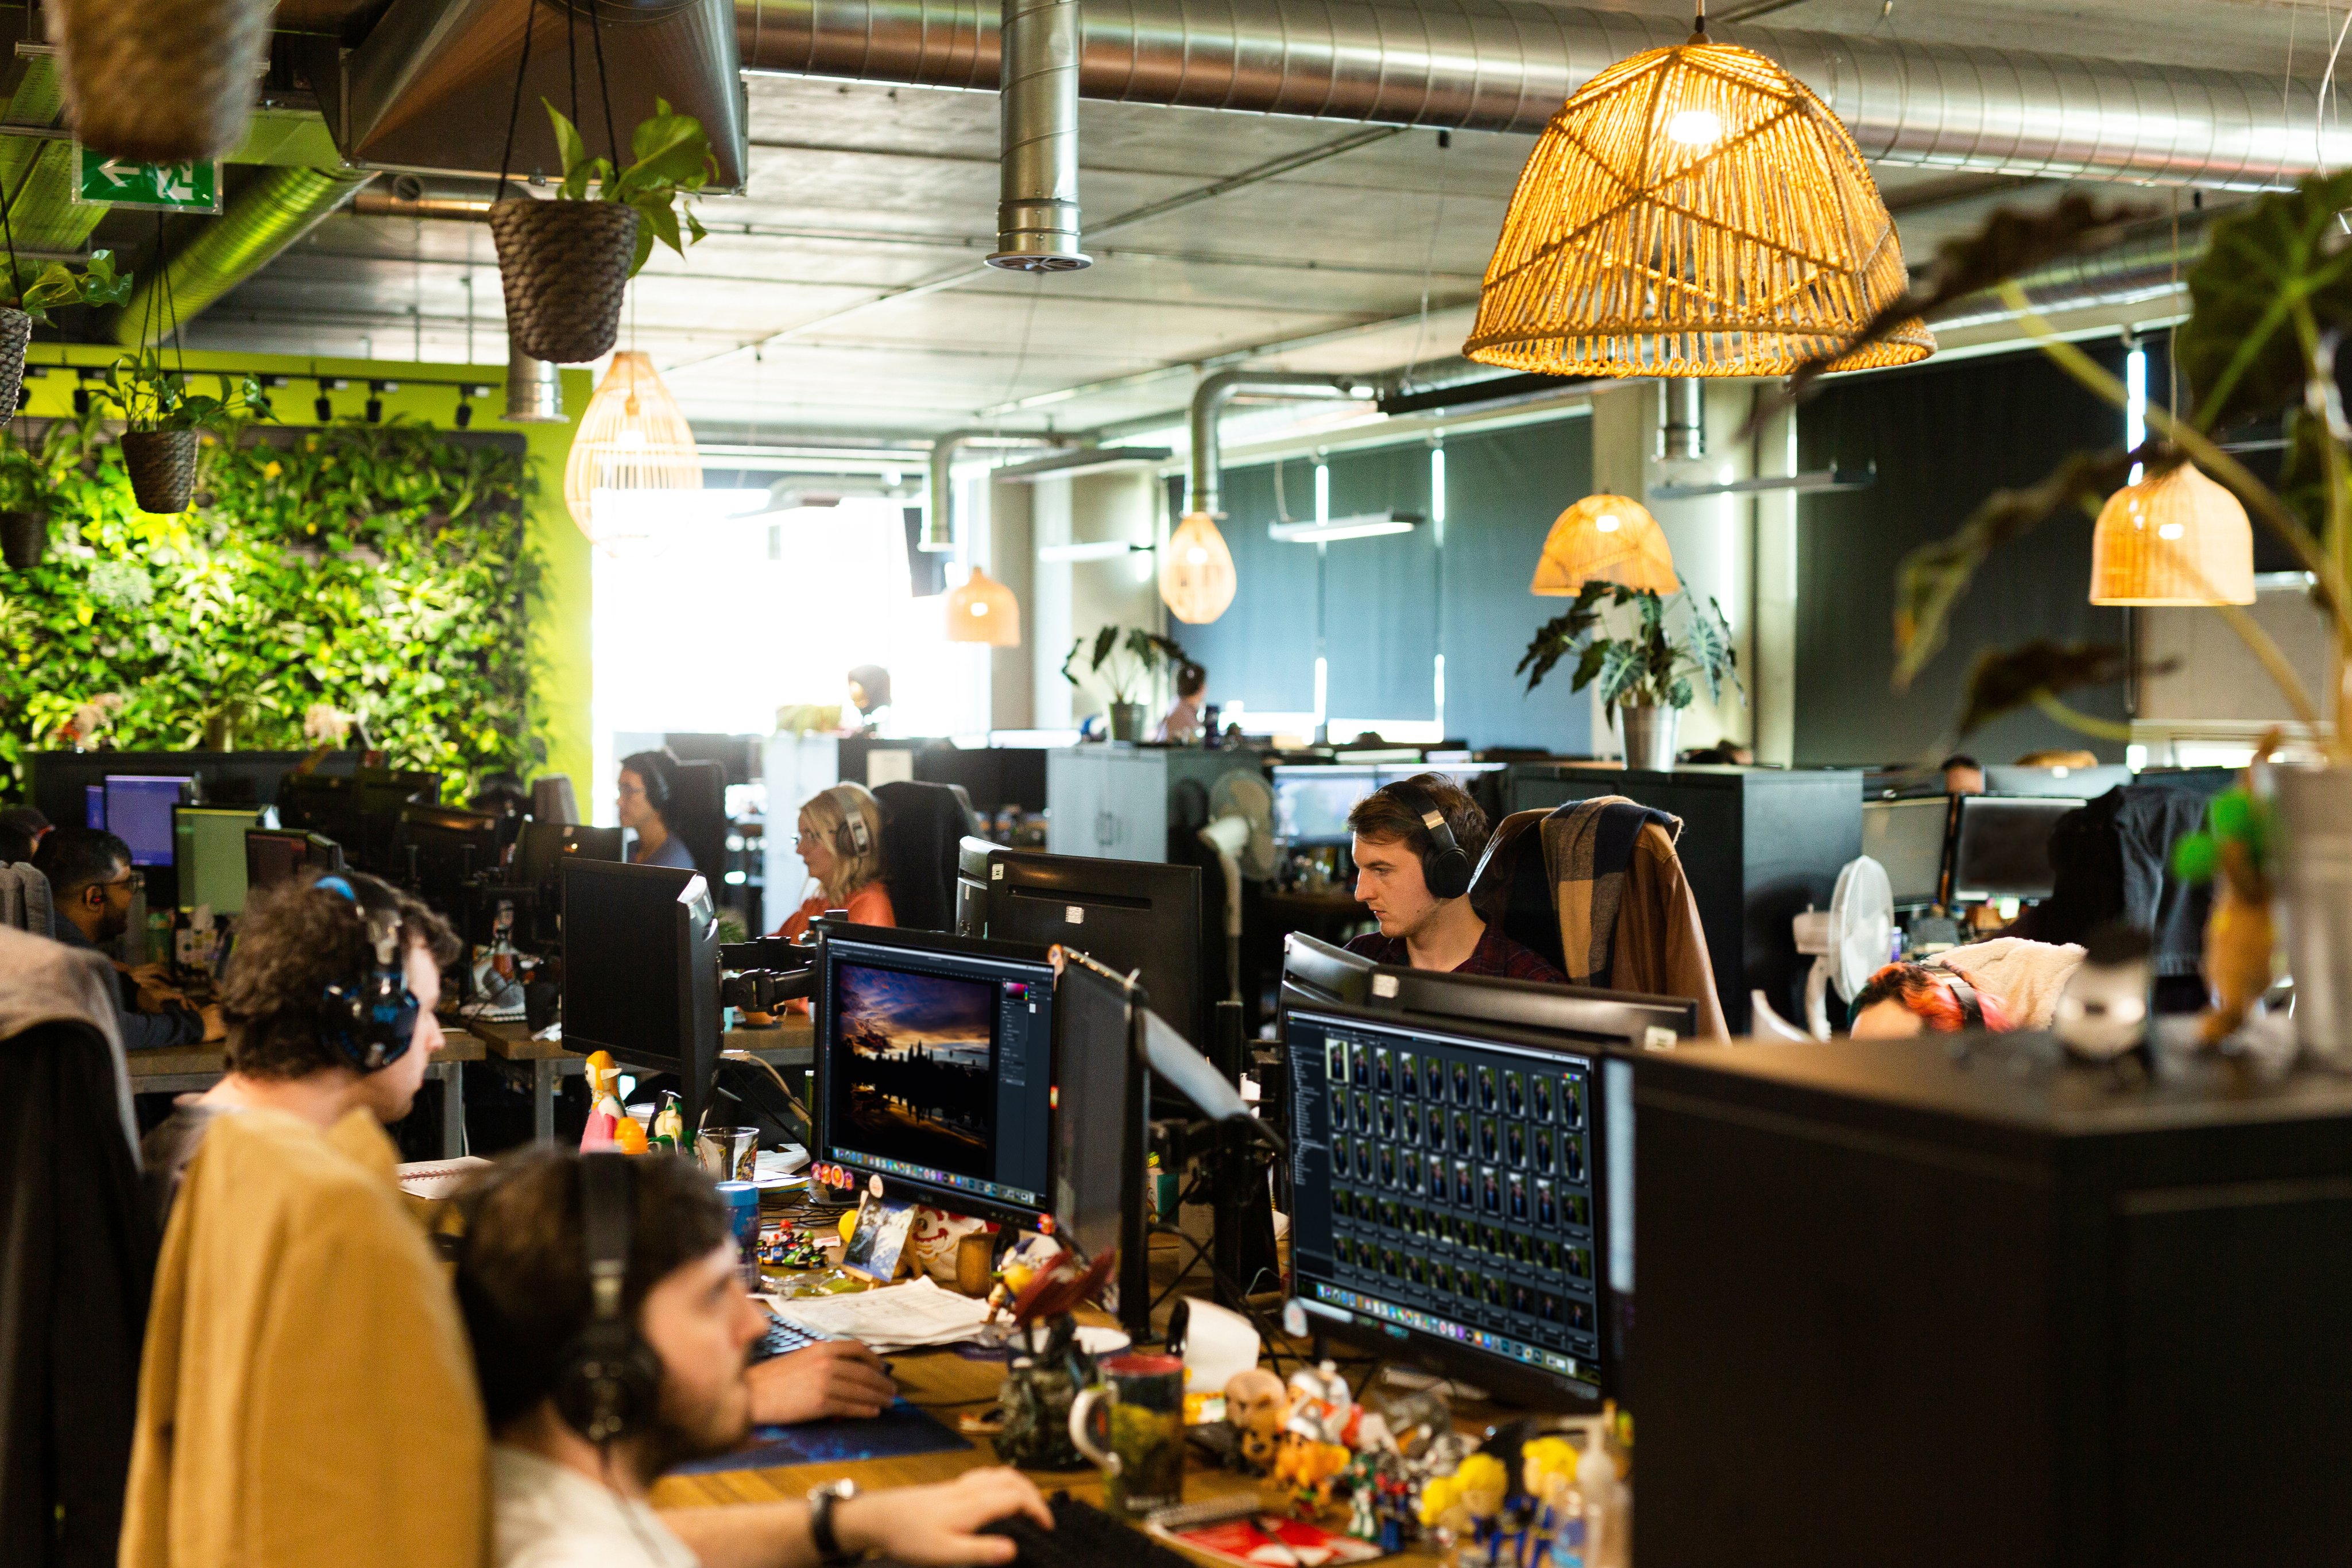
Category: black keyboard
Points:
column 781, row 1338
column 1083, row 1536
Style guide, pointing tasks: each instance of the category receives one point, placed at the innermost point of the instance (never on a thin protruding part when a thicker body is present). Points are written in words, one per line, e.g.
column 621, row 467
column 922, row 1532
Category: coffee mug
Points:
column 729, row 1154
column 1131, row 1424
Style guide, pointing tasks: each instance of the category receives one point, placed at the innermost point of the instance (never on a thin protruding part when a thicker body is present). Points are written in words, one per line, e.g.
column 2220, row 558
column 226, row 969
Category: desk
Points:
column 198, row 1068
column 792, row 1044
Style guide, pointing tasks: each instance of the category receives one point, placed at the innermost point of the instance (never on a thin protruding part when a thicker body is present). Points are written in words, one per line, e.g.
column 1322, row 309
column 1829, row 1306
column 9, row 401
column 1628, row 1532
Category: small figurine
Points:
column 1468, row 1506
column 1320, row 1404
column 1362, row 1479
column 1308, row 1468
column 1257, row 1405
column 1555, row 1536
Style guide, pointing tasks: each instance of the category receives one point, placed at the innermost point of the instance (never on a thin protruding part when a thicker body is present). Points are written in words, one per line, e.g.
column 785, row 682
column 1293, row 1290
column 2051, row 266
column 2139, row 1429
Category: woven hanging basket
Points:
column 565, row 267
column 162, row 467
column 161, row 80
column 1692, row 210
column 24, row 538
column 16, row 332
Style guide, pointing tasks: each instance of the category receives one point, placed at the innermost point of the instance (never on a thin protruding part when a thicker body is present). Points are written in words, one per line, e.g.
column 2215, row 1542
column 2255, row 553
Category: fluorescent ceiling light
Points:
column 1090, row 549
column 1364, row 525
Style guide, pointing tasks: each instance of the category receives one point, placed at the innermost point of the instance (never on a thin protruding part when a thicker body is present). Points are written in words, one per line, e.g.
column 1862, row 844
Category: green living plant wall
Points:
column 381, row 572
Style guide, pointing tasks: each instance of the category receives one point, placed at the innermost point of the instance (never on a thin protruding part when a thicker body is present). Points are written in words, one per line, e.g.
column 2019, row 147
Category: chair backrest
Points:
column 697, row 814
column 1511, row 887
column 922, row 825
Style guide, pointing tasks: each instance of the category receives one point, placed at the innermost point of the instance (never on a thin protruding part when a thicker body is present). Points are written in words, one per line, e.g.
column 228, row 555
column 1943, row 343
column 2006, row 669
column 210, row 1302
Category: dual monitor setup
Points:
column 1964, row 849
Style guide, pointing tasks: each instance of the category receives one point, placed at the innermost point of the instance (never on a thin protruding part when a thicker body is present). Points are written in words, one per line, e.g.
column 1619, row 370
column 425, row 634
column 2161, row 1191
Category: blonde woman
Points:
column 841, row 845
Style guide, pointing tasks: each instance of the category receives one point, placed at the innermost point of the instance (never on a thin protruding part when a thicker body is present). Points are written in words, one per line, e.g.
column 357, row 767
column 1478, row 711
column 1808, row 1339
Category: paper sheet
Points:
column 896, row 1317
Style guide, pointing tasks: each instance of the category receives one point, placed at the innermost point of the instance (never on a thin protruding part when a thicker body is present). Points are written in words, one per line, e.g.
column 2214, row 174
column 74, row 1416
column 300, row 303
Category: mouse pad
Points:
column 901, row 1430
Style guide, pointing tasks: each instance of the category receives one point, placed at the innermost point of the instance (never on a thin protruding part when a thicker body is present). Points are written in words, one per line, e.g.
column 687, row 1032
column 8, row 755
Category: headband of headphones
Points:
column 371, row 1017
column 608, row 1386
column 1444, row 866
column 853, row 818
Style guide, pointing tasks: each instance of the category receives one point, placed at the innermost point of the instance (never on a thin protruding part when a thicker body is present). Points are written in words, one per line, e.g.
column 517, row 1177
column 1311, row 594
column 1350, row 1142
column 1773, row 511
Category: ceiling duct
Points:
column 1507, row 65
column 939, row 518
column 1206, row 491
column 1037, row 203
column 433, row 86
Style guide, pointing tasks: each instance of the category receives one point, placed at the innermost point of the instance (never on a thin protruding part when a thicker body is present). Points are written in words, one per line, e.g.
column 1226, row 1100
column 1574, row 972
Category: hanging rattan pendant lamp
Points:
column 632, row 436
column 982, row 610
column 1692, row 210
column 2178, row 539
column 1605, row 539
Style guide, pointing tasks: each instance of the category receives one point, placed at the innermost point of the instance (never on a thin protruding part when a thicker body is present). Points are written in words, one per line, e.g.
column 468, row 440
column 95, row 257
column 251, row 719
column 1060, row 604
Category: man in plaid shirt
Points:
column 1418, row 928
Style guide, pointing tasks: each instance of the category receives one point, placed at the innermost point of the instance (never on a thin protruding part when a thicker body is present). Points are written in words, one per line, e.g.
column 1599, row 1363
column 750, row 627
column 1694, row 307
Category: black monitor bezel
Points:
column 698, row 1032
column 1324, row 960
column 1035, row 871
column 954, row 1199
column 1620, row 1018
column 1962, row 807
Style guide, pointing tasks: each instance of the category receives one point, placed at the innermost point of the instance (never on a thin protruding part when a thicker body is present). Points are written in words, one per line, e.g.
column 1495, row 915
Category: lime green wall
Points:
column 562, row 671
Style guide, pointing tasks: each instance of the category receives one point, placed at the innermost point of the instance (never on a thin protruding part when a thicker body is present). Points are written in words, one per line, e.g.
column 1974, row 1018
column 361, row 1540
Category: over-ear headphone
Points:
column 369, row 1017
column 853, row 820
column 1444, row 867
column 606, row 1388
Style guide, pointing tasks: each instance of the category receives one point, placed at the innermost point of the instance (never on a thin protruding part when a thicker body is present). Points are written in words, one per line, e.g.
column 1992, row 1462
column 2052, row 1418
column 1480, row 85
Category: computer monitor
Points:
column 935, row 1067
column 1583, row 1014
column 551, row 800
column 273, row 855
column 1311, row 803
column 641, row 970
column 360, row 811
column 1317, row 971
column 442, row 848
column 208, row 853
column 139, row 812
column 1906, row 837
column 1444, row 1201
column 1125, row 915
column 543, row 847
column 2001, row 845
column 2077, row 783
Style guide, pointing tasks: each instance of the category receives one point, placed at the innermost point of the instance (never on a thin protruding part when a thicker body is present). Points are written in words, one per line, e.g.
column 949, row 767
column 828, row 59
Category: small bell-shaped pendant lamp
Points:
column 1196, row 575
column 982, row 610
column 1605, row 539
column 2175, row 539
column 632, row 436
column 1692, row 210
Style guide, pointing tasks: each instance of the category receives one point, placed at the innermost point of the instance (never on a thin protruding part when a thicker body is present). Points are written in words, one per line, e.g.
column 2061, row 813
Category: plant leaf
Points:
column 2006, row 679
column 571, row 150
column 2238, row 348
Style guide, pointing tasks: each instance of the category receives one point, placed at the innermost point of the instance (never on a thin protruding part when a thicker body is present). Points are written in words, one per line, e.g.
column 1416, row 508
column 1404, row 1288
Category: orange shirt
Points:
column 870, row 905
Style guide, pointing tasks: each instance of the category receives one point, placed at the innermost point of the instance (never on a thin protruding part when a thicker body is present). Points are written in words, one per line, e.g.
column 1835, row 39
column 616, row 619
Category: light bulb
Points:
column 979, row 607
column 1606, row 523
column 1196, row 556
column 1695, row 128
column 2168, row 531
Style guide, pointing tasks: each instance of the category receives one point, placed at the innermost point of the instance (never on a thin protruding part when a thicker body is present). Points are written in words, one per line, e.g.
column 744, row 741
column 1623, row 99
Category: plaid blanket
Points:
column 1587, row 845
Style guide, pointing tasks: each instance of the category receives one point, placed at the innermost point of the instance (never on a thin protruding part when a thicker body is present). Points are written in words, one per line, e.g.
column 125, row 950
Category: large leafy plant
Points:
column 1653, row 667
column 673, row 161
column 1122, row 662
column 381, row 571
column 148, row 395
column 57, row 285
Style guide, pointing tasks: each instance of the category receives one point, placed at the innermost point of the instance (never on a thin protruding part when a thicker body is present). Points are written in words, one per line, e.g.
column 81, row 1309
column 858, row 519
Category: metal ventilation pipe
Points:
column 1037, row 202
column 1505, row 64
column 274, row 212
column 938, row 517
column 1205, row 492
column 1682, row 418
column 534, row 391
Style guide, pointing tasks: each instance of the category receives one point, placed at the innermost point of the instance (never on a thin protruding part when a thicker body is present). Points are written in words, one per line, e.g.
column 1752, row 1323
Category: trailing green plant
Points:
column 381, row 571
column 673, row 161
column 57, row 285
column 147, row 394
column 1124, row 660
column 23, row 485
column 1652, row 668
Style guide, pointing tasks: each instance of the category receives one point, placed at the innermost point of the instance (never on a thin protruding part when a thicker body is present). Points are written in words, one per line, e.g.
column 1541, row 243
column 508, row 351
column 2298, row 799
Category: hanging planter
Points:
column 22, row 306
column 163, row 81
column 24, row 538
column 565, row 267
column 163, row 468
column 159, row 448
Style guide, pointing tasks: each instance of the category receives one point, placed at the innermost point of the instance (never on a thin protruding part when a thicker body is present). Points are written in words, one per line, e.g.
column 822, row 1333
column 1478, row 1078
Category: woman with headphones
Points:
column 648, row 786
column 841, row 845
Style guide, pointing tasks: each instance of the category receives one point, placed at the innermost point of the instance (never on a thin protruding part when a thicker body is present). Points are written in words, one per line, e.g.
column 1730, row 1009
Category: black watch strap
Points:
column 822, row 1502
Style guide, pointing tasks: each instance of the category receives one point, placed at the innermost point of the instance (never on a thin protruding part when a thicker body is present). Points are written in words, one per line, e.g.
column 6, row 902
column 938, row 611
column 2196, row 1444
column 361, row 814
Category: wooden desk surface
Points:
column 512, row 1041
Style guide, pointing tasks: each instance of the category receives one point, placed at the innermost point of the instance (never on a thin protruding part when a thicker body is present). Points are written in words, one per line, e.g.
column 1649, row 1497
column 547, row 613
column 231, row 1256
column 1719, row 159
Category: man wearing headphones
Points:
column 305, row 1394
column 648, row 786
column 1416, row 842
column 609, row 1331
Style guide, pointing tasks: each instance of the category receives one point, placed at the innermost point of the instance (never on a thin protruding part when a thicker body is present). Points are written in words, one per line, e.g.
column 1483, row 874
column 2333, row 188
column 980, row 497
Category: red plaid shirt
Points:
column 1495, row 955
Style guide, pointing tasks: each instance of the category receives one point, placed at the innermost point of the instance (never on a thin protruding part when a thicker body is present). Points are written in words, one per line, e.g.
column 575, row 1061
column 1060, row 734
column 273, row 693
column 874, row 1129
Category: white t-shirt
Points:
column 551, row 1516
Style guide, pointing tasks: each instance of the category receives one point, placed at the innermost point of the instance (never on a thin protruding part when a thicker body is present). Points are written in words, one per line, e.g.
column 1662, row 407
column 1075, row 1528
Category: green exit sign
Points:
column 104, row 181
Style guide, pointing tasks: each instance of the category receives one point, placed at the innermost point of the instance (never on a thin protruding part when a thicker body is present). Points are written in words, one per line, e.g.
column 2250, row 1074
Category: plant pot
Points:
column 162, row 80
column 1649, row 737
column 565, row 267
column 24, row 538
column 16, row 332
column 2315, row 892
column 1127, row 721
column 163, row 468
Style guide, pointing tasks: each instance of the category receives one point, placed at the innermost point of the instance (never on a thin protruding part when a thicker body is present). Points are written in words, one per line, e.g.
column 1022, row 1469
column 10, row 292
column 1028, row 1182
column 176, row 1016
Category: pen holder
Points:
column 1131, row 1424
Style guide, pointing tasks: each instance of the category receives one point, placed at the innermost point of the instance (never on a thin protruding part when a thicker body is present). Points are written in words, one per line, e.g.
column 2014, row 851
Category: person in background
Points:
column 22, row 830
column 841, row 843
column 1722, row 754
column 1182, row 726
column 1394, row 848
column 91, row 885
column 2062, row 758
column 569, row 1493
column 305, row 1394
column 1905, row 999
column 869, row 695
column 649, row 791
column 1963, row 775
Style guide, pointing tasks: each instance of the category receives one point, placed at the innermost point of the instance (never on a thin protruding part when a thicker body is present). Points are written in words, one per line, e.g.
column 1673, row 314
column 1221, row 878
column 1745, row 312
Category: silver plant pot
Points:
column 2314, row 859
column 1649, row 737
column 1127, row 721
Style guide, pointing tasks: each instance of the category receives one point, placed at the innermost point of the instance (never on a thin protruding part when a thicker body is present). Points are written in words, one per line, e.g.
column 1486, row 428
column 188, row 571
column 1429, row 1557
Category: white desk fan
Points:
column 1241, row 830
column 1850, row 941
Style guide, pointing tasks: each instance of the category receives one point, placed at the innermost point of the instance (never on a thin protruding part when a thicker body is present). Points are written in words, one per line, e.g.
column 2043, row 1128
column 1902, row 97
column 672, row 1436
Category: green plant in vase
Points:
column 1645, row 678
column 1120, row 668
column 163, row 419
column 24, row 304
column 24, row 508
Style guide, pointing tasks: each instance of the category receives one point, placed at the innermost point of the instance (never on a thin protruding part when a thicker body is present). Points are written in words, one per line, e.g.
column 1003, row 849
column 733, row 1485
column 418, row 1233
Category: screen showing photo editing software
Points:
column 938, row 1070
column 1444, row 1185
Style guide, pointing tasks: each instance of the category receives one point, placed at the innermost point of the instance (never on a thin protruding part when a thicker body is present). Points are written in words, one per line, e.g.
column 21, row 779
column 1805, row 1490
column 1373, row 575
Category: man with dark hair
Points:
column 569, row 1493
column 1963, row 774
column 92, row 884
column 1395, row 848
column 305, row 1394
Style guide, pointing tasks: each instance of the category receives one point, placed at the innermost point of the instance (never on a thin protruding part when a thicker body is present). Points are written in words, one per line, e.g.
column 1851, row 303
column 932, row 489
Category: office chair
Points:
column 1511, row 887
column 697, row 814
column 923, row 824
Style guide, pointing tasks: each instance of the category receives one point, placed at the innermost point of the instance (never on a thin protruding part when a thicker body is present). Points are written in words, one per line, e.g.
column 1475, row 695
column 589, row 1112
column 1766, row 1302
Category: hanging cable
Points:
column 514, row 112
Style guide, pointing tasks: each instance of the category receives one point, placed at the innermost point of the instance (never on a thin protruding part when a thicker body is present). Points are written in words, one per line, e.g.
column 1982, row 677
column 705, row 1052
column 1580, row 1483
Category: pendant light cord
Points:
column 1698, row 24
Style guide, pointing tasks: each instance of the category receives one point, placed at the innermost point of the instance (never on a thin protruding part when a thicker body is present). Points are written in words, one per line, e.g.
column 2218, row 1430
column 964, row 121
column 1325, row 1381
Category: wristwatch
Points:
column 822, row 1501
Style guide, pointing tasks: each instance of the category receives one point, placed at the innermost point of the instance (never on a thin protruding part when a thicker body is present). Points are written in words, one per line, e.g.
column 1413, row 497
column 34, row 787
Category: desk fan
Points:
column 1240, row 830
column 1850, row 942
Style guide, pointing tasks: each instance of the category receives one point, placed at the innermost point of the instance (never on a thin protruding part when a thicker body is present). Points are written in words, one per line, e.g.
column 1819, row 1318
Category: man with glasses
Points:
column 91, row 885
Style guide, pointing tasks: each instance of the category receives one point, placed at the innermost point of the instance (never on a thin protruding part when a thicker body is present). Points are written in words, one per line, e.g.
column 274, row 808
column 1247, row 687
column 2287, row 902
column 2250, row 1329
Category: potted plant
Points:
column 24, row 304
column 1645, row 678
column 162, row 419
column 163, row 81
column 1122, row 664
column 24, row 508
column 565, row 264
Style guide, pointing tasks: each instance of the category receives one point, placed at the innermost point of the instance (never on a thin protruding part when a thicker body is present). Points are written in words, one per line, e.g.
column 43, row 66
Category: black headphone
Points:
column 606, row 1388
column 371, row 1017
column 1444, row 865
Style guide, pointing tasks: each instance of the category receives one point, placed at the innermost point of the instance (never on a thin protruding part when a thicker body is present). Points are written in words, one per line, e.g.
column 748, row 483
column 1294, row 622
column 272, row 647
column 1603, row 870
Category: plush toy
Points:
column 1257, row 1405
column 938, row 1237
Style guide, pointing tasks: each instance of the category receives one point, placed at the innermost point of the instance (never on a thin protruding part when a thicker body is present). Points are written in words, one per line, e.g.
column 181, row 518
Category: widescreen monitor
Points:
column 641, row 970
column 139, row 811
column 1311, row 803
column 1315, row 970
column 1906, row 837
column 275, row 855
column 440, row 848
column 2000, row 846
column 541, row 848
column 208, row 851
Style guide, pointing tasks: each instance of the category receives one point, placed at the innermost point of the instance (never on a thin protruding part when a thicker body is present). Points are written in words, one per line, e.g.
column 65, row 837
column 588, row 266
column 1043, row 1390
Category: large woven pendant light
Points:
column 2177, row 539
column 982, row 610
column 1692, row 210
column 1196, row 574
column 1605, row 539
column 632, row 438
